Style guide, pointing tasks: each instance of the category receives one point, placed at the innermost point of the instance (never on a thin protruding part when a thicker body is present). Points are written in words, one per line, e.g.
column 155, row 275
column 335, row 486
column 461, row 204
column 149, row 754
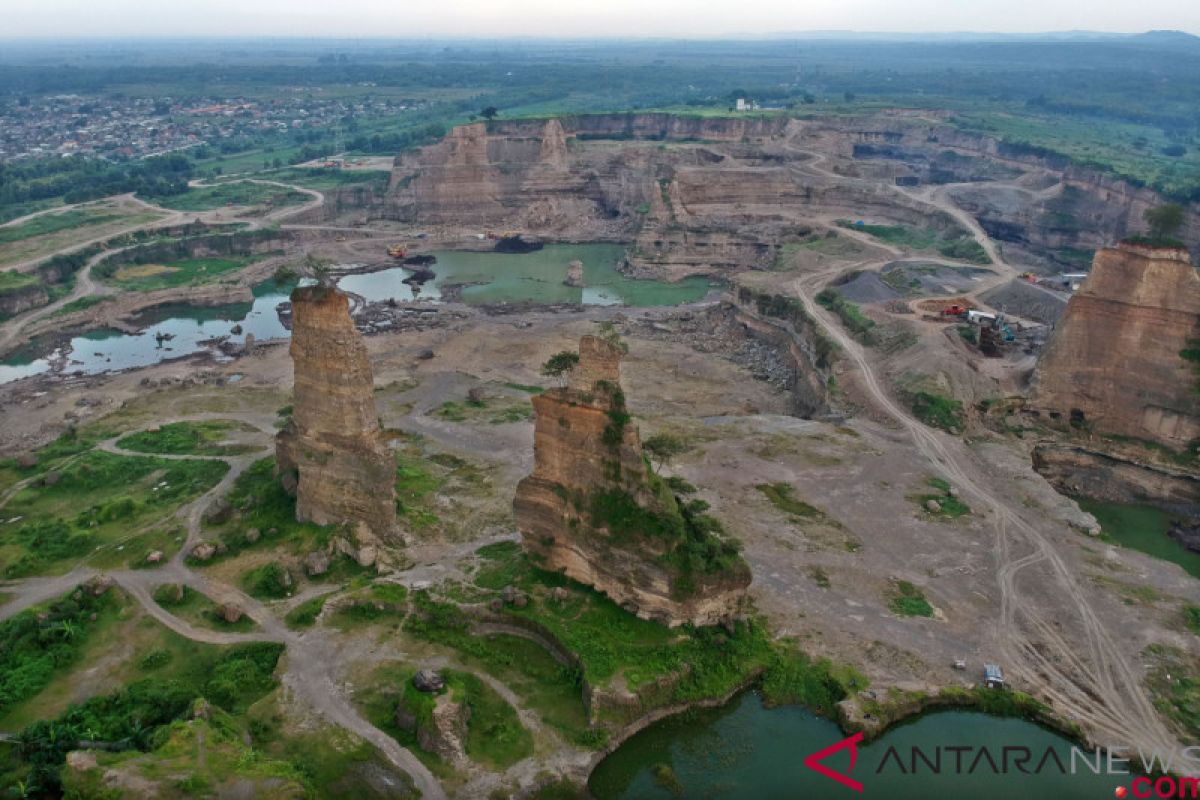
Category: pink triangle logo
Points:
column 813, row 762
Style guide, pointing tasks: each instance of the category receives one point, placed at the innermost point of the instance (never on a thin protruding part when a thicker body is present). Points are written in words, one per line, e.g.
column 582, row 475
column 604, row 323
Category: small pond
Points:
column 747, row 751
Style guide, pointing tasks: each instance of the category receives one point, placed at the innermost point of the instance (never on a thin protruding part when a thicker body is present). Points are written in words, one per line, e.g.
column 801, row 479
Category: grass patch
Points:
column 1174, row 684
column 1191, row 619
column 259, row 501
column 42, row 642
column 525, row 387
column 53, row 223
column 234, row 193
column 860, row 326
column 910, row 601
column 609, row 641
column 305, row 614
column 953, row 243
column 938, row 411
column 199, row 609
column 781, row 496
column 201, row 438
column 99, row 500
column 270, row 581
column 185, row 272
column 81, row 304
column 229, row 678
column 949, row 506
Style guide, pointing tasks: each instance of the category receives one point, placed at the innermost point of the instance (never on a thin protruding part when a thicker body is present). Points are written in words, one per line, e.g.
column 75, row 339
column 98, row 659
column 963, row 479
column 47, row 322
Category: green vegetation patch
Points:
column 241, row 193
column 948, row 505
column 271, row 581
column 199, row 609
column 42, row 642
column 938, row 411
column 782, row 497
column 305, row 614
column 97, row 500
column 183, row 272
column 260, row 502
column 81, row 304
column 134, row 717
column 495, row 736
column 201, row 438
column 951, row 243
column 609, row 641
column 910, row 601
column 53, row 223
column 860, row 325
column 1174, row 684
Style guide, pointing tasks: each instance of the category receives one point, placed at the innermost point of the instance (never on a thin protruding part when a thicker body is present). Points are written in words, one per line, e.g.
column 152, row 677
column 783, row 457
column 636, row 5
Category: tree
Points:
column 1165, row 220
column 559, row 364
column 491, row 112
column 663, row 447
column 609, row 333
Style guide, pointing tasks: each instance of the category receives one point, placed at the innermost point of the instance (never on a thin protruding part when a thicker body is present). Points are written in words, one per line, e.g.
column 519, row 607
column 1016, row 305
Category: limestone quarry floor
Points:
column 827, row 580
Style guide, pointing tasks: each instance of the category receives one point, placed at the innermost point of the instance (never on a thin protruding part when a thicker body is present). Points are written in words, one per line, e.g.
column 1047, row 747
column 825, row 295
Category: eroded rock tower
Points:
column 330, row 455
column 593, row 509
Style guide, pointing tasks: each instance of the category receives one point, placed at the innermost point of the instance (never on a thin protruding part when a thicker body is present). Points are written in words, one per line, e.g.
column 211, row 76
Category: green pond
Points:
column 1142, row 528
column 537, row 277
column 747, row 751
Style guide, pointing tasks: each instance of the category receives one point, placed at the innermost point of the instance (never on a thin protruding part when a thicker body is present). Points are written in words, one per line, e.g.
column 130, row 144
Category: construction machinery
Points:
column 398, row 251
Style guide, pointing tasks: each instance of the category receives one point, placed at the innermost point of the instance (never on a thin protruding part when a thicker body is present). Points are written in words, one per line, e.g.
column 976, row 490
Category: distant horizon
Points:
column 822, row 33
column 610, row 19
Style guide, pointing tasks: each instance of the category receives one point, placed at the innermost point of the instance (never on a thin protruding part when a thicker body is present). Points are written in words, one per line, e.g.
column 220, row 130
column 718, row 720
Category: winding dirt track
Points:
column 1097, row 687
column 85, row 286
column 311, row 657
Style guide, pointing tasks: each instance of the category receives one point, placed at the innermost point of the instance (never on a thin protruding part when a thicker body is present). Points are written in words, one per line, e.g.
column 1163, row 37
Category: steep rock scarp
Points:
column 594, row 510
column 1114, row 363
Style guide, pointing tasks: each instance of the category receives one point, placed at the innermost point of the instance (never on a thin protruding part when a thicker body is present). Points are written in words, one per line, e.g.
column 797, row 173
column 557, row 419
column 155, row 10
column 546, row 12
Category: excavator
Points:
column 398, row 251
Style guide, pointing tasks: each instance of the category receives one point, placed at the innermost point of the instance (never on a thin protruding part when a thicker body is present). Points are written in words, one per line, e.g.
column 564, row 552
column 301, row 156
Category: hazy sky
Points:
column 488, row 18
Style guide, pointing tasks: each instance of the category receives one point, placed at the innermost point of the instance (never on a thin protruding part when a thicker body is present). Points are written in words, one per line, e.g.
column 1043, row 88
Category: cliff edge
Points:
column 594, row 510
column 1115, row 361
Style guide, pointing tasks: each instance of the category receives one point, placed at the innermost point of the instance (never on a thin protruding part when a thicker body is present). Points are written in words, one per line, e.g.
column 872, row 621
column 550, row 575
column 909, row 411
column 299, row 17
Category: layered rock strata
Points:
column 1114, row 364
column 331, row 453
column 593, row 509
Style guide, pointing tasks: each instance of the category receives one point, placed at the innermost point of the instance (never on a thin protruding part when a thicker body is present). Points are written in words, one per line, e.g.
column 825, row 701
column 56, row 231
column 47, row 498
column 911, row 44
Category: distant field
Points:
column 189, row 271
column 324, row 180
column 206, row 198
column 47, row 234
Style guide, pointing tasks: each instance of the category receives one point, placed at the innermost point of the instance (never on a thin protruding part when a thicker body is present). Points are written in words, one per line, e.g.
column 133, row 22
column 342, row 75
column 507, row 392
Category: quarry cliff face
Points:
column 1114, row 363
column 331, row 453
column 593, row 510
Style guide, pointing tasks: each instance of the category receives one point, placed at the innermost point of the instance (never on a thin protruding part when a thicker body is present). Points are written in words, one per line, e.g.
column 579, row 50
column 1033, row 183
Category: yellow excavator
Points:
column 398, row 251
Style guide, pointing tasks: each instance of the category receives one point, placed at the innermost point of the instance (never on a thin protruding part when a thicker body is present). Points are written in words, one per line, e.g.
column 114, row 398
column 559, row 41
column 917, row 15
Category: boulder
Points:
column 428, row 680
column 27, row 461
column 155, row 557
column 933, row 506
column 51, row 478
column 203, row 551
column 230, row 613
column 252, row 535
column 98, row 585
column 316, row 563
column 218, row 511
column 425, row 354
